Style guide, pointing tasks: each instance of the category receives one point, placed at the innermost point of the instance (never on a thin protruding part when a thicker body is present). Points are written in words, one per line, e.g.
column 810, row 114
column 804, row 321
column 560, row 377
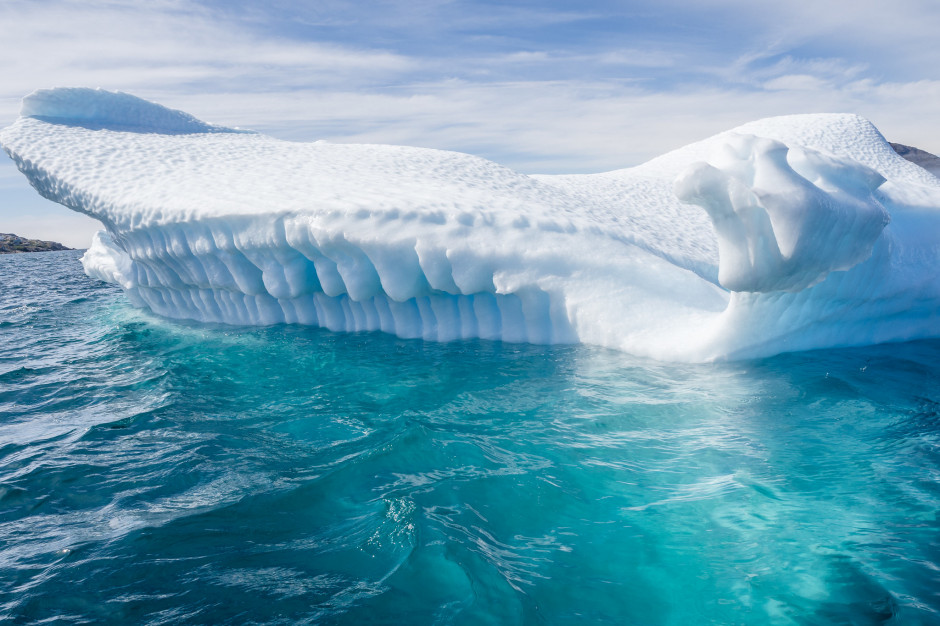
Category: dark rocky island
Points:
column 10, row 243
column 926, row 160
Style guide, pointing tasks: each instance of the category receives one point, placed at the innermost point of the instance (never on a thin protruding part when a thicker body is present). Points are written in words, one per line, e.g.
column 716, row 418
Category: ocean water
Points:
column 156, row 472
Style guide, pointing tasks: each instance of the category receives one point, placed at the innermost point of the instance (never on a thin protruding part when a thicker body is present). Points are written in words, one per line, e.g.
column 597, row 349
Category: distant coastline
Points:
column 926, row 160
column 12, row 244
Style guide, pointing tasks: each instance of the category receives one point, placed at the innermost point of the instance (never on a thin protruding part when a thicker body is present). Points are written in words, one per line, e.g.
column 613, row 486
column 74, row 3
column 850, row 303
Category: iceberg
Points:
column 789, row 233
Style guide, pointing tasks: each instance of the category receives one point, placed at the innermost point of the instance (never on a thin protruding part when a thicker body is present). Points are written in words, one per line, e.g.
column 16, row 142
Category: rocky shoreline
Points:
column 11, row 244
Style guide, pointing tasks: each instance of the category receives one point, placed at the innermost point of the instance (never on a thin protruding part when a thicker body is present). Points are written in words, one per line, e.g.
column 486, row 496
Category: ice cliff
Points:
column 784, row 234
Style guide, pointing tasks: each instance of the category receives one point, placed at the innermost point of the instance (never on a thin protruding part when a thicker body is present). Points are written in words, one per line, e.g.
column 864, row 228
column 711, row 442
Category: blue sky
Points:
column 542, row 87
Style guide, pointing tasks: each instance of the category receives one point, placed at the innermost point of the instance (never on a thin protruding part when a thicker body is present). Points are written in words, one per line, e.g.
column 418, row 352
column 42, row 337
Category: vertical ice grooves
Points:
column 287, row 271
column 438, row 317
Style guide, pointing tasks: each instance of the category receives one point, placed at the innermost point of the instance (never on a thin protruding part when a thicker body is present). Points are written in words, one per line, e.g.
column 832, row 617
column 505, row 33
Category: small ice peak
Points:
column 98, row 109
column 785, row 216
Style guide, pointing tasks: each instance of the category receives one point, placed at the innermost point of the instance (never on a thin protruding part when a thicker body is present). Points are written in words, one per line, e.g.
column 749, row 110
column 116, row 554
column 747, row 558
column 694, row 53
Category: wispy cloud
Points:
column 170, row 47
column 535, row 85
column 550, row 94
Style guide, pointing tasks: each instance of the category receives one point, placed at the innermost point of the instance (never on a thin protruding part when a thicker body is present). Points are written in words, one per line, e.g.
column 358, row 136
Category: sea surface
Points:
column 159, row 472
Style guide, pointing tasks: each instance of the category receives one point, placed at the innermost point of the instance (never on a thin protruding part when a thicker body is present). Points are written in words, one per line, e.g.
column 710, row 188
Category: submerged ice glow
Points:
column 785, row 234
column 155, row 472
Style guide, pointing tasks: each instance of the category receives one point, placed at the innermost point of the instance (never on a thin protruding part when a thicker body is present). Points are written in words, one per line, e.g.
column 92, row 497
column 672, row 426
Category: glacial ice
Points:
column 789, row 233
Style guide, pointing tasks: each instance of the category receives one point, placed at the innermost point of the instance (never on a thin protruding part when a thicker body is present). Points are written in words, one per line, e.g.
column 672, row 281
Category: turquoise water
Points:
column 155, row 472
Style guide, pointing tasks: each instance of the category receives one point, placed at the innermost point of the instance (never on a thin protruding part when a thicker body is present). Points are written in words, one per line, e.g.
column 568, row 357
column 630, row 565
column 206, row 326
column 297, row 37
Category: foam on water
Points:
column 789, row 233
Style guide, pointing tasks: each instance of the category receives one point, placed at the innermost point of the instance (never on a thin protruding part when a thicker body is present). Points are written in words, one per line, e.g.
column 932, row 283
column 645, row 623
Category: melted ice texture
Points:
column 789, row 233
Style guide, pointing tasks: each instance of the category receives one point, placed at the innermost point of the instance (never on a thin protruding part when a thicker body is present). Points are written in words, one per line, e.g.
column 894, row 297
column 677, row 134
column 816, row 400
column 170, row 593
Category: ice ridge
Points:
column 99, row 110
column 785, row 234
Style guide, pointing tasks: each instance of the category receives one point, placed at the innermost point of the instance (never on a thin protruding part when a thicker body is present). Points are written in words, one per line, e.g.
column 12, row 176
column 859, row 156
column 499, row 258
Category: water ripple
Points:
column 154, row 472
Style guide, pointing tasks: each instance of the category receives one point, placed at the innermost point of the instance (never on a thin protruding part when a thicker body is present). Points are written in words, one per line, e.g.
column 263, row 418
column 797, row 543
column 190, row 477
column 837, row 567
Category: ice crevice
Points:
column 784, row 234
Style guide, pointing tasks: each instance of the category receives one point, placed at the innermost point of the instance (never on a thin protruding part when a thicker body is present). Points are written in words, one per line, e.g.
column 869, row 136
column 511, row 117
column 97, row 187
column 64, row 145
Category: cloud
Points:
column 168, row 47
column 537, row 87
column 579, row 103
column 896, row 39
column 797, row 82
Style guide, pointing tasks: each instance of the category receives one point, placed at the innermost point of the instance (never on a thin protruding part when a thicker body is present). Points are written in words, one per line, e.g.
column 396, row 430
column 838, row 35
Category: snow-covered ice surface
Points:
column 788, row 233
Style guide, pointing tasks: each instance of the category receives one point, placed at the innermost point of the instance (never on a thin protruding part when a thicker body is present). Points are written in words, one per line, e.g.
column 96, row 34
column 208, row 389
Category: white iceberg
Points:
column 789, row 233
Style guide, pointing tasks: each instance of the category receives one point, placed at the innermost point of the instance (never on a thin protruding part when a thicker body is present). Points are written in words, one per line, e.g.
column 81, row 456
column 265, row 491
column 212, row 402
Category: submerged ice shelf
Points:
column 784, row 234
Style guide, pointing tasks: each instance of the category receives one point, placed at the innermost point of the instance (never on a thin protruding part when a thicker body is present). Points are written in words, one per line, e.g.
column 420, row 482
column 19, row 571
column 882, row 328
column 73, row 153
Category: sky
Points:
column 541, row 87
